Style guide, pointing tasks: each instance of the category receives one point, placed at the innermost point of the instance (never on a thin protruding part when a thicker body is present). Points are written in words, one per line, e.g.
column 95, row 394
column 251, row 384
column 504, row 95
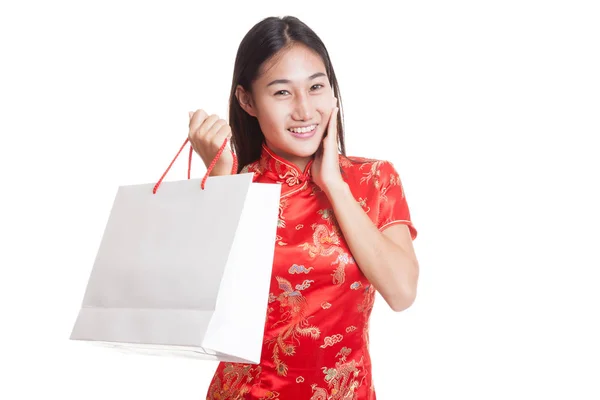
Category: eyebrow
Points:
column 279, row 81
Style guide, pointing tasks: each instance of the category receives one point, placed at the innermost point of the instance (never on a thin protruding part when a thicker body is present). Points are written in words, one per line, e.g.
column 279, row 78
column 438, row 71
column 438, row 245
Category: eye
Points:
column 281, row 92
column 317, row 86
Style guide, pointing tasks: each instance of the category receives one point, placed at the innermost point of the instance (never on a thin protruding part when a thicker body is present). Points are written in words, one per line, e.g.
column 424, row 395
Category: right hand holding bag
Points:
column 207, row 135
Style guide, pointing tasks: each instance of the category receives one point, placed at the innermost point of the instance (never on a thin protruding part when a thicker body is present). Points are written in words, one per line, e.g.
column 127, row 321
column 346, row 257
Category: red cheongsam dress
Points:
column 316, row 340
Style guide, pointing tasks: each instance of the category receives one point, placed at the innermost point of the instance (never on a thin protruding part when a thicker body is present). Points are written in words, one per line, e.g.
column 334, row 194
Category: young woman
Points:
column 344, row 227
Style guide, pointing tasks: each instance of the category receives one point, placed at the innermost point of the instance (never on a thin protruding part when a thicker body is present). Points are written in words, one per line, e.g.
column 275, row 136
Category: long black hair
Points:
column 260, row 44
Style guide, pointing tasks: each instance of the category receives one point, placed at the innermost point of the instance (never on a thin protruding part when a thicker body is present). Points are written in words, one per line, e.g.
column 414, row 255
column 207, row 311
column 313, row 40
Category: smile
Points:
column 303, row 132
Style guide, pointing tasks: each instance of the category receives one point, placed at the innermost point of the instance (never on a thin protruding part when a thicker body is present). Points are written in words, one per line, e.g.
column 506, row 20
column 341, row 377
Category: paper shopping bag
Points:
column 184, row 271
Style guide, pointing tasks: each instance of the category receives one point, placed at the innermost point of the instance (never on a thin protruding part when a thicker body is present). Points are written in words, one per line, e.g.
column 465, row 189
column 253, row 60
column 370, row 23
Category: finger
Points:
column 321, row 150
column 332, row 130
column 196, row 120
column 211, row 134
column 206, row 126
column 194, row 117
column 222, row 134
column 199, row 114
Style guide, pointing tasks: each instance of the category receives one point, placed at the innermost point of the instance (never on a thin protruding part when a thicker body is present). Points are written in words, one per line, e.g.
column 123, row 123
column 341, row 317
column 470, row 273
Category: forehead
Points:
column 295, row 63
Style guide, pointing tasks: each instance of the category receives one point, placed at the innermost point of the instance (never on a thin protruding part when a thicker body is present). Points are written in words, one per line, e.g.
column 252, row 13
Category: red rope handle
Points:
column 214, row 162
column 169, row 167
column 208, row 170
column 190, row 161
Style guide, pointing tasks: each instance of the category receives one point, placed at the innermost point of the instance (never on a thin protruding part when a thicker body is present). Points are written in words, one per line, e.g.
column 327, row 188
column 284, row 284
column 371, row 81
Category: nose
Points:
column 302, row 108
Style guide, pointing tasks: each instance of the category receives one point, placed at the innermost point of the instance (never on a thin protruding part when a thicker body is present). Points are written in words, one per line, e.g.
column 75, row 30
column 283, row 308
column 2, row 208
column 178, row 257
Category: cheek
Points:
column 325, row 103
column 268, row 113
column 272, row 119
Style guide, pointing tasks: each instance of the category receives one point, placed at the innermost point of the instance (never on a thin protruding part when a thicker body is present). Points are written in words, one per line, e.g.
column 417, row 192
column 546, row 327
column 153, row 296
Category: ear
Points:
column 245, row 100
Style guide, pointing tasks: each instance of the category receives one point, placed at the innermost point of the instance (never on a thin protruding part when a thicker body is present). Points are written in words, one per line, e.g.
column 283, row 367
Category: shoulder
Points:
column 362, row 171
column 257, row 167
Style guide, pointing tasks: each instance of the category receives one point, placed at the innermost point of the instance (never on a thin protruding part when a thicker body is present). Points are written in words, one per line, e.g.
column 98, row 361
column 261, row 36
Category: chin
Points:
column 306, row 148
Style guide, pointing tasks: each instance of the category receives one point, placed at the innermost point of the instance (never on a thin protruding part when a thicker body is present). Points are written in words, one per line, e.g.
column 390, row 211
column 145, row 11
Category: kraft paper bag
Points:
column 184, row 271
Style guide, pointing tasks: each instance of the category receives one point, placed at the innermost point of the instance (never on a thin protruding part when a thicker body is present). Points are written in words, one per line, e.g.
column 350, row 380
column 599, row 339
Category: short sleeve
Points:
column 393, row 207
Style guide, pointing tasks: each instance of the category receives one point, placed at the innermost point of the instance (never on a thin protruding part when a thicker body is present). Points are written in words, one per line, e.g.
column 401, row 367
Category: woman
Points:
column 344, row 227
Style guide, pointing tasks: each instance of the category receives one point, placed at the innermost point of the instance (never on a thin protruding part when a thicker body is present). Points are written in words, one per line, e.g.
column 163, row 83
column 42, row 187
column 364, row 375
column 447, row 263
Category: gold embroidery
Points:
column 331, row 340
column 319, row 393
column 372, row 174
column 325, row 305
column 375, row 174
column 299, row 269
column 395, row 181
column 297, row 323
column 305, row 285
column 283, row 203
column 351, row 328
column 383, row 194
column 279, row 240
column 344, row 352
column 368, row 300
column 363, row 204
column 344, row 162
column 339, row 274
column 269, row 396
column 292, row 177
column 298, row 189
column 289, row 175
column 365, row 307
column 237, row 379
column 326, row 242
column 342, row 380
column 326, row 214
column 300, row 379
column 257, row 167
column 299, row 226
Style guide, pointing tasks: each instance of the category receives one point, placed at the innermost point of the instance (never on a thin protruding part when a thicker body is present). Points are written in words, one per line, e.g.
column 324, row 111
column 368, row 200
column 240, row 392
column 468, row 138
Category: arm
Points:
column 387, row 259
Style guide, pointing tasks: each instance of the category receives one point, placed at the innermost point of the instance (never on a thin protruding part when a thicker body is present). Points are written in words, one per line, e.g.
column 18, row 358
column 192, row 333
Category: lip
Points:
column 304, row 135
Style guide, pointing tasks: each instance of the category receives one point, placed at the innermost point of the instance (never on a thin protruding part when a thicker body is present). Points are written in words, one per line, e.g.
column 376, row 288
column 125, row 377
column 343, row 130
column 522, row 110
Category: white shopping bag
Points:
column 184, row 271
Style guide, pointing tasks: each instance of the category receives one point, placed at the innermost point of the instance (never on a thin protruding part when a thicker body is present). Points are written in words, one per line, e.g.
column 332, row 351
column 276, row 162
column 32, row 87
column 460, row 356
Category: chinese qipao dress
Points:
column 316, row 338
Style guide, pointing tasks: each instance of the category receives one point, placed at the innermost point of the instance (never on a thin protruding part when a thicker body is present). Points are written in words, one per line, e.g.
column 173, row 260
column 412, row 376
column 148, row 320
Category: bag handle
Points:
column 208, row 170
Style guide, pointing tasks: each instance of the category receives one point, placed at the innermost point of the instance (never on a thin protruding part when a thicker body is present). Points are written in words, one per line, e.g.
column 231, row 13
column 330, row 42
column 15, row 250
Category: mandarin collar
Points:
column 282, row 171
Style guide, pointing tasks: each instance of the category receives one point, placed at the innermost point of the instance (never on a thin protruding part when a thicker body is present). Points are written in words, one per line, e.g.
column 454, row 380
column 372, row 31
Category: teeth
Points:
column 303, row 130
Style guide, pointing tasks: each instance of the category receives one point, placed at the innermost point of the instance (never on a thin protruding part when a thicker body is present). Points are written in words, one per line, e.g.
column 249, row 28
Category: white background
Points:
column 487, row 109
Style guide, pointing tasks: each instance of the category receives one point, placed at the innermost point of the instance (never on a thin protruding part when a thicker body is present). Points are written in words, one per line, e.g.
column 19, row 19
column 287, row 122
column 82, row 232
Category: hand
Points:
column 207, row 134
column 326, row 167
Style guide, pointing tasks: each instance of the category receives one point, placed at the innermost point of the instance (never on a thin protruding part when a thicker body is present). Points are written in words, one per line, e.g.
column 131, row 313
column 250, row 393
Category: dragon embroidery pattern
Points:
column 325, row 243
column 342, row 380
column 237, row 380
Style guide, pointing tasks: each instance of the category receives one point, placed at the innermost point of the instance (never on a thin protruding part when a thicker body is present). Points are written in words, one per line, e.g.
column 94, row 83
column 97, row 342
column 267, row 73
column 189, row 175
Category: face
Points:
column 292, row 100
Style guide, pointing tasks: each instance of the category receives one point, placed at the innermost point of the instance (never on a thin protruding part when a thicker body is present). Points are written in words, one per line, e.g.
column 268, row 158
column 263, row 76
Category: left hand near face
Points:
column 325, row 169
